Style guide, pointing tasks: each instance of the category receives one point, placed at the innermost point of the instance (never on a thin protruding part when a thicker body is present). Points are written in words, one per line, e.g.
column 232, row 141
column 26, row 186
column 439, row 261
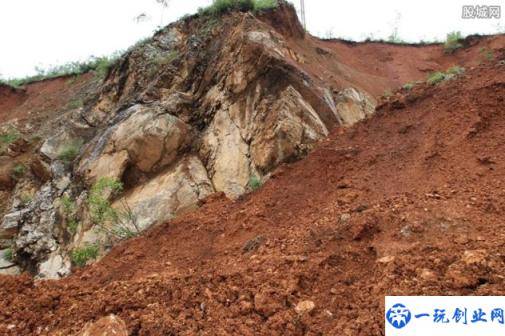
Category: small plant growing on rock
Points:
column 70, row 151
column 19, row 170
column 76, row 103
column 72, row 225
column 452, row 43
column 80, row 256
column 68, row 204
column 69, row 209
column 123, row 222
column 9, row 137
column 8, row 255
column 254, row 182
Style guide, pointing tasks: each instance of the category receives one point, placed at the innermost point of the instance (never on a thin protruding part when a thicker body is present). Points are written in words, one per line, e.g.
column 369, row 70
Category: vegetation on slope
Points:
column 220, row 7
column 99, row 65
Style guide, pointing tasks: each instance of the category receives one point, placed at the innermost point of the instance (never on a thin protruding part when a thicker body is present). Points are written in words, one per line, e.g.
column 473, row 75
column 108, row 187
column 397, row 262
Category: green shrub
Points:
column 455, row 70
column 19, row 170
column 69, row 208
column 100, row 65
column 409, row 86
column 68, row 205
column 260, row 5
column 220, row 7
column 9, row 137
column 8, row 255
column 72, row 226
column 70, row 151
column 74, row 104
column 99, row 205
column 81, row 256
column 119, row 224
column 254, row 182
column 452, row 43
column 435, row 78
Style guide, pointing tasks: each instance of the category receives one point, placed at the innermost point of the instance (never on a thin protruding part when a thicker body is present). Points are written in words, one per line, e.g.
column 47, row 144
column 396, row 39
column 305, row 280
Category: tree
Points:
column 164, row 5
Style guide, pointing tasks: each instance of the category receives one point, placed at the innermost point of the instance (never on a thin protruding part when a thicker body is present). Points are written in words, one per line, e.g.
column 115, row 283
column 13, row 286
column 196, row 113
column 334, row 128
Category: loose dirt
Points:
column 409, row 202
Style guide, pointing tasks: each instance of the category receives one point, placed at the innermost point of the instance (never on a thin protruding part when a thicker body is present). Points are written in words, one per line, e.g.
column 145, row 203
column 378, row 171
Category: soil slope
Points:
column 410, row 201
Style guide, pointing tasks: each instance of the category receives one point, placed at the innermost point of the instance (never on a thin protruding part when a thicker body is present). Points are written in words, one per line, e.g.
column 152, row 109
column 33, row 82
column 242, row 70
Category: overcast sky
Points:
column 51, row 32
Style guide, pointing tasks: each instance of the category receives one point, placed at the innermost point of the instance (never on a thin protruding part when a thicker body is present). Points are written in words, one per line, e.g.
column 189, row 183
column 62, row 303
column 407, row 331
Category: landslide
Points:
column 407, row 202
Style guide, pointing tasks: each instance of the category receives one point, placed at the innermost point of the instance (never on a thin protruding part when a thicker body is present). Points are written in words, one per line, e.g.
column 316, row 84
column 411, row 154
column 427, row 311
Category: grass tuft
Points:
column 452, row 43
column 19, row 170
column 99, row 65
column 69, row 152
column 80, row 256
column 9, row 255
column 254, row 182
column 435, row 78
column 220, row 7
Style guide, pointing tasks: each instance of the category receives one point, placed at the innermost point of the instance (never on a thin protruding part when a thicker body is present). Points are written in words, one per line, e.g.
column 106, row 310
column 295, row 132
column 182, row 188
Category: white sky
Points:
column 51, row 32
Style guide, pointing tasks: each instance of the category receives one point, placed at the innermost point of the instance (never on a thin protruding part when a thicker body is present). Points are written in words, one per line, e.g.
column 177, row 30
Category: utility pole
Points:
column 302, row 13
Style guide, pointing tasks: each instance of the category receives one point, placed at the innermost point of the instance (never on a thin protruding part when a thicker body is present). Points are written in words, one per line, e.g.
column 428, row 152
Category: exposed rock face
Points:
column 37, row 243
column 147, row 139
column 170, row 193
column 202, row 107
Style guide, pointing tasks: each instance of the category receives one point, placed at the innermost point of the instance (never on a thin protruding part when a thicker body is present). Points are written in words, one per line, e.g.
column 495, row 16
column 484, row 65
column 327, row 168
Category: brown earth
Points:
column 410, row 201
column 38, row 102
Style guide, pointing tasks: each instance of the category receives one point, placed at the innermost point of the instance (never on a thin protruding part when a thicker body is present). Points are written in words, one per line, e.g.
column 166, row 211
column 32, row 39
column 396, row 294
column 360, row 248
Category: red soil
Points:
column 40, row 101
column 9, row 98
column 422, row 181
column 374, row 66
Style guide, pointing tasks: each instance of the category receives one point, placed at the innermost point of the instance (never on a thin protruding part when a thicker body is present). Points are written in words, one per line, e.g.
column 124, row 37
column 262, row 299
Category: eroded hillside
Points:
column 406, row 201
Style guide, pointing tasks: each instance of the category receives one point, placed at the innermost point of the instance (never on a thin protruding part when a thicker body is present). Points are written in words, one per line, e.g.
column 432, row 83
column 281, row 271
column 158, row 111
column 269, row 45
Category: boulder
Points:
column 52, row 147
column 168, row 194
column 10, row 224
column 56, row 266
column 106, row 326
column 353, row 105
column 146, row 138
column 305, row 307
column 41, row 169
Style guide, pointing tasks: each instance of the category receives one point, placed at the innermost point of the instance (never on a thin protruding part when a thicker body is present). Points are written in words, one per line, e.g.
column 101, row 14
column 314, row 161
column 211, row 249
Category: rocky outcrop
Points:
column 146, row 140
column 204, row 106
column 169, row 193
